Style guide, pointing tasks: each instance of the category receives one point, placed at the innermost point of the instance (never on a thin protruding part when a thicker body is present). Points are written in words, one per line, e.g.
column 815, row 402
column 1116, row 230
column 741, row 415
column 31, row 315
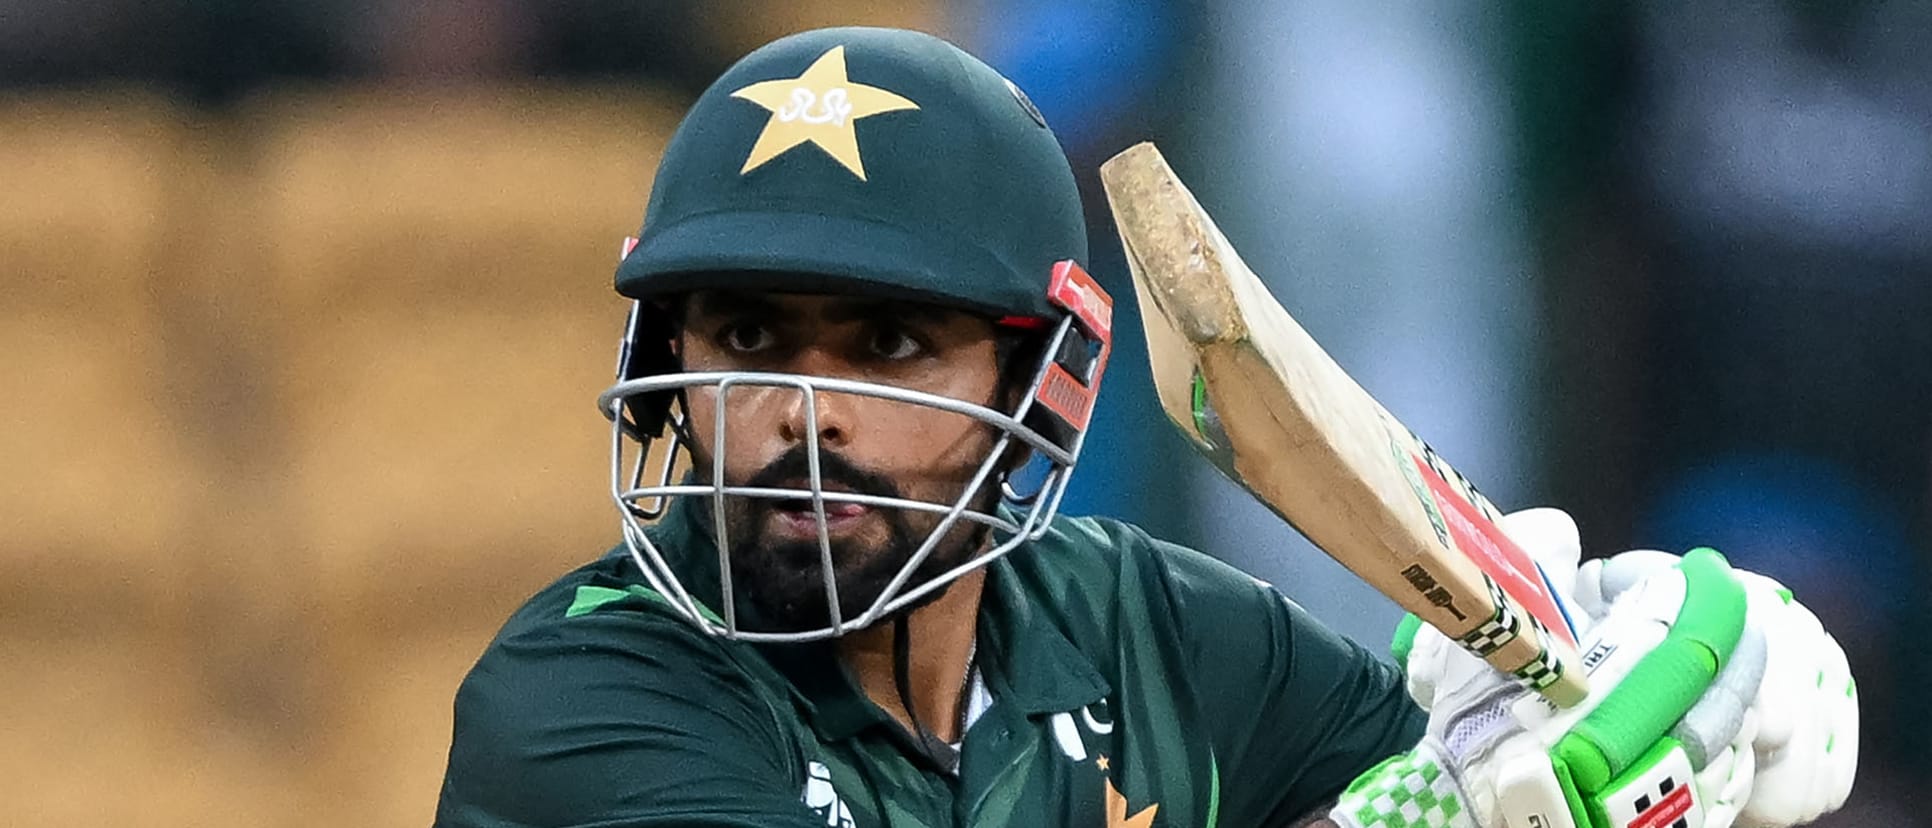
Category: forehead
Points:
column 821, row 307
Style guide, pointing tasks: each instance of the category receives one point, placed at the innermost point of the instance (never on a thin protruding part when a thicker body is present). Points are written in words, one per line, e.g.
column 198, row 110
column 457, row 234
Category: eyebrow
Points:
column 737, row 303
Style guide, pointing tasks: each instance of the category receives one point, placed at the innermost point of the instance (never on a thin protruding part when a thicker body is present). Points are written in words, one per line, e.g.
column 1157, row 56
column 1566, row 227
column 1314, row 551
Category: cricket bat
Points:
column 1256, row 395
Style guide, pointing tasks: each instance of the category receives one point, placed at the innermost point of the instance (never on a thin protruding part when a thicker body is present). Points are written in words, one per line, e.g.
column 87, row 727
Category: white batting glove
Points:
column 1717, row 733
column 1496, row 756
column 1805, row 713
column 1807, row 710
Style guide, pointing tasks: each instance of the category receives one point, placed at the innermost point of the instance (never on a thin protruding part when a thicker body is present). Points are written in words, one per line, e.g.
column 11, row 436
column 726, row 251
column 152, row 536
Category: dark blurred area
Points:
column 214, row 53
column 1731, row 210
column 1666, row 267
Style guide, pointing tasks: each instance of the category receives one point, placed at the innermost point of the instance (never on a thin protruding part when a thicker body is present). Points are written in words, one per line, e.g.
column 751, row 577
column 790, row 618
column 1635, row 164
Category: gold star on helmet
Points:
column 818, row 107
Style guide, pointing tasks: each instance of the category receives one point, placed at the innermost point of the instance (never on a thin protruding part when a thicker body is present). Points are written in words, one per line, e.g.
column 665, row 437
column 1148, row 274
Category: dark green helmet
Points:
column 870, row 162
column 861, row 160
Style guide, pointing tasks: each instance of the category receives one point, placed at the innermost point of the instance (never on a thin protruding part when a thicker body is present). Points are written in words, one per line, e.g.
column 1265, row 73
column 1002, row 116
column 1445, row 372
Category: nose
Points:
column 831, row 411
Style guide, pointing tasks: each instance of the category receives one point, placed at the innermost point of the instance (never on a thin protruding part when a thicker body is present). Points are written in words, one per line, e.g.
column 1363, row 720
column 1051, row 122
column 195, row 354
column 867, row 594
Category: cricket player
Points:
column 861, row 314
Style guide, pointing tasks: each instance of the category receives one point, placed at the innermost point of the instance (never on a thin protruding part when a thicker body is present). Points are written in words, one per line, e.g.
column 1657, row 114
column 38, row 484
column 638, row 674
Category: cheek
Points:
column 928, row 443
column 749, row 434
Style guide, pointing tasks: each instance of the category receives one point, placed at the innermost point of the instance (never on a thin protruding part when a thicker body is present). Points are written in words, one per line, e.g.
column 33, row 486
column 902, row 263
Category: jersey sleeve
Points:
column 1301, row 709
column 616, row 718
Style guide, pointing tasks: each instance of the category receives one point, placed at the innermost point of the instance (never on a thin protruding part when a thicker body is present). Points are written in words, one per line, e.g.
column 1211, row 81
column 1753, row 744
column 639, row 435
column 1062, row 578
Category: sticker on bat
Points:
column 1478, row 536
column 1465, row 520
column 1207, row 423
column 1404, row 460
column 1208, row 430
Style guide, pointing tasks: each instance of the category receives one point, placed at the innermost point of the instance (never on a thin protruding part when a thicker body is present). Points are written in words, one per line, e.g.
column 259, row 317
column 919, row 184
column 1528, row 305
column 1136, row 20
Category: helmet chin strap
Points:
column 935, row 749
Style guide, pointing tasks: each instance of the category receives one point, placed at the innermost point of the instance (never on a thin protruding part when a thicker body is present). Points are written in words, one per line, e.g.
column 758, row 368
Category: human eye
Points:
column 746, row 337
column 892, row 342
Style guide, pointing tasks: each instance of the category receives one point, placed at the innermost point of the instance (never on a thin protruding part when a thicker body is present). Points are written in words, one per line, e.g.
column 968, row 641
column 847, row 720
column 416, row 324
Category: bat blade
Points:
column 1256, row 395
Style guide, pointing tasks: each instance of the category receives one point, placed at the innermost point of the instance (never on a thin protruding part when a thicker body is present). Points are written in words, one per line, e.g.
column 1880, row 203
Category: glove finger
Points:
column 1841, row 741
column 1551, row 538
column 1713, row 723
column 1430, row 655
column 1588, row 592
column 1725, row 784
column 1629, row 569
column 1791, row 632
column 1601, row 581
column 1806, row 764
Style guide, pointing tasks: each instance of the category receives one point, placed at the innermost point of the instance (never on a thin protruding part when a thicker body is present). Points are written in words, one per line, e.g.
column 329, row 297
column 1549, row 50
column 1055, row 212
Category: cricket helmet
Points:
column 874, row 162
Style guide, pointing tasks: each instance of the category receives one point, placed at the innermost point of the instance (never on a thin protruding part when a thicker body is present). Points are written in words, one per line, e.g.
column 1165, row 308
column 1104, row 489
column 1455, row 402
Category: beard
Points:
column 783, row 579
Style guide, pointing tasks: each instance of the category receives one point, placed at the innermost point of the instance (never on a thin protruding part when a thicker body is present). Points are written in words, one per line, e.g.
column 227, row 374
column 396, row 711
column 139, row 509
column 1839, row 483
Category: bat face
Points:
column 1271, row 410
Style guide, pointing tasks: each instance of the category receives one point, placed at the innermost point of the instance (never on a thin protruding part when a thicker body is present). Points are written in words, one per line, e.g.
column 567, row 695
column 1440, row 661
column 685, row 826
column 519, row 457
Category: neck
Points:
column 941, row 638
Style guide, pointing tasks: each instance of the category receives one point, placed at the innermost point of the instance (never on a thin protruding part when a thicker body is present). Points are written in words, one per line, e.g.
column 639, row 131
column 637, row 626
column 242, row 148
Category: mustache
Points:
column 795, row 464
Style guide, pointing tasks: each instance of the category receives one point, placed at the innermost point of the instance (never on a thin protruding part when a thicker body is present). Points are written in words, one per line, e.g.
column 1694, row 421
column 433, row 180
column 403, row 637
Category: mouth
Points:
column 795, row 515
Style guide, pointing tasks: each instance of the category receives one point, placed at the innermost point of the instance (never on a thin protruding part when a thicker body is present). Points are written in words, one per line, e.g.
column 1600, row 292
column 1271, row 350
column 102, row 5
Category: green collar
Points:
column 1028, row 662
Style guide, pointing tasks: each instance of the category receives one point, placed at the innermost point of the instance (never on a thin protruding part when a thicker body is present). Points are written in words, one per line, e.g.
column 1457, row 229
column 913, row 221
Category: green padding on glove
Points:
column 1579, row 815
column 1404, row 639
column 1665, row 682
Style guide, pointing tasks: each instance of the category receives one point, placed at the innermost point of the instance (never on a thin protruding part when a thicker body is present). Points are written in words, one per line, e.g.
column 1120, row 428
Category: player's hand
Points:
column 1497, row 756
column 1807, row 713
column 1805, row 709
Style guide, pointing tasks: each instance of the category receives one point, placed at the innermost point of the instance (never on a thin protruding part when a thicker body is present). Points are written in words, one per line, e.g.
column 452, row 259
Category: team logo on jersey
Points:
column 1070, row 730
column 1068, row 735
column 1117, row 811
column 823, row 799
column 819, row 107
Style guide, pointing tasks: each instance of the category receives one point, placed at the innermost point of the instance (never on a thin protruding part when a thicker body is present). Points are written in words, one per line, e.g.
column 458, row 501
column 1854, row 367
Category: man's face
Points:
column 866, row 444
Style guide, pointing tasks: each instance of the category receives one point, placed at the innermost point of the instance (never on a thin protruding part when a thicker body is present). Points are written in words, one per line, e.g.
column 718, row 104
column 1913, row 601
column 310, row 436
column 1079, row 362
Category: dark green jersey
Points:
column 1133, row 683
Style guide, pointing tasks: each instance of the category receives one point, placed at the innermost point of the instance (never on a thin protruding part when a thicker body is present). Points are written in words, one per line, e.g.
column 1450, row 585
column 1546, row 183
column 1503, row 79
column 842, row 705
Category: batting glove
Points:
column 1664, row 738
column 1806, row 708
column 1807, row 713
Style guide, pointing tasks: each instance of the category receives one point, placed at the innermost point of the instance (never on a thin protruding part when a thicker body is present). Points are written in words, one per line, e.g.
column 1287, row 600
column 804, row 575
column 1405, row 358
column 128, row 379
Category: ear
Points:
column 673, row 309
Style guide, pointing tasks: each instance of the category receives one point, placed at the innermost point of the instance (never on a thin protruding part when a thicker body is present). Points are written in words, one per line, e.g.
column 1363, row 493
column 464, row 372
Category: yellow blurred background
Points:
column 300, row 405
column 328, row 422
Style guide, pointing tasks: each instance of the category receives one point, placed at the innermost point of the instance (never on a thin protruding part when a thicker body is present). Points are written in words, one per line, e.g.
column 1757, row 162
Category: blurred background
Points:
column 303, row 307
